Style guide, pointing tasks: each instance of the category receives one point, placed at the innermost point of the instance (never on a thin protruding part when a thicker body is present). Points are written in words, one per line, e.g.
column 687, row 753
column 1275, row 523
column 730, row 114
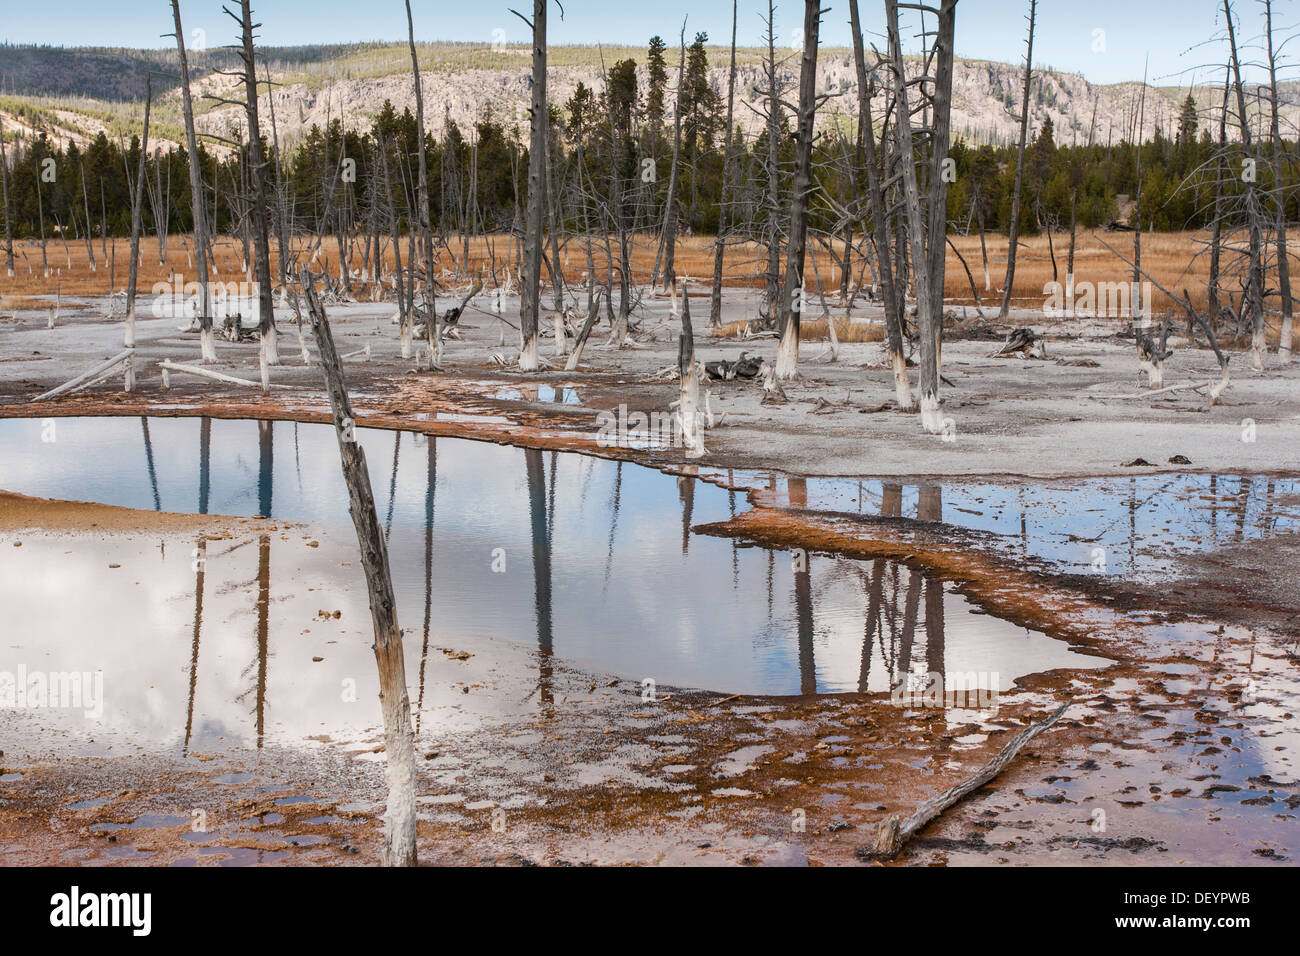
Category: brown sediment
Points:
column 21, row 512
column 1025, row 597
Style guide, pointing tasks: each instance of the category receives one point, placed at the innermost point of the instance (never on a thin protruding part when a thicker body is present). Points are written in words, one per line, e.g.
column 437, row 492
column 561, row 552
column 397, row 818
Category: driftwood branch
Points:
column 892, row 835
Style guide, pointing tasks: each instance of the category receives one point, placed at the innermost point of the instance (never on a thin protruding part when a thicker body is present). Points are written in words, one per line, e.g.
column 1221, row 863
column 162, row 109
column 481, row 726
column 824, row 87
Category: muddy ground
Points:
column 1169, row 741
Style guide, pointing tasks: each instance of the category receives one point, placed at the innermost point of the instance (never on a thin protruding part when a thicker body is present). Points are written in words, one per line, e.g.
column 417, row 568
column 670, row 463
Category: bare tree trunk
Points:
column 689, row 416
column 787, row 356
column 880, row 221
column 720, row 248
column 399, row 744
column 1279, row 205
column 432, row 323
column 281, row 219
column 670, row 205
column 1216, row 237
column 1014, row 232
column 927, row 220
column 1253, row 296
column 931, row 325
column 261, row 224
column 4, row 186
column 207, row 341
column 90, row 232
column 773, row 169
column 529, row 292
column 137, row 197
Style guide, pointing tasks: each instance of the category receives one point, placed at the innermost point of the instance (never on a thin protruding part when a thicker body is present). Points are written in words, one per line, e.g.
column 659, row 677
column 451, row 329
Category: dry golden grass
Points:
column 845, row 331
column 1172, row 258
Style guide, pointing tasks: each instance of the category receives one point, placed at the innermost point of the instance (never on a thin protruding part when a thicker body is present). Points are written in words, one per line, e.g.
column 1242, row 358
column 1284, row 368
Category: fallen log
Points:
column 1168, row 388
column 892, row 835
column 86, row 378
column 169, row 366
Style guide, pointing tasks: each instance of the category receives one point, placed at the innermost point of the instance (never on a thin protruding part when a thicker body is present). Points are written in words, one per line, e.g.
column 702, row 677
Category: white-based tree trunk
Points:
column 931, row 414
column 561, row 344
column 1155, row 372
column 528, row 355
column 690, row 418
column 902, row 390
column 787, row 352
column 1258, row 348
column 271, row 346
column 208, row 344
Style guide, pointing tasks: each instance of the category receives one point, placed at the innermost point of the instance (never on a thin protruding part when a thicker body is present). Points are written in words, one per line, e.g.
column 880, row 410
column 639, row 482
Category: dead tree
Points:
column 90, row 232
column 926, row 221
column 1279, row 201
column 260, row 210
column 207, row 341
column 530, row 290
column 1014, row 232
column 4, row 186
column 399, row 744
column 690, row 417
column 1253, row 295
column 432, row 323
column 720, row 248
column 670, row 204
column 879, row 220
column 1216, row 230
column 137, row 197
column 787, row 356
column 773, row 170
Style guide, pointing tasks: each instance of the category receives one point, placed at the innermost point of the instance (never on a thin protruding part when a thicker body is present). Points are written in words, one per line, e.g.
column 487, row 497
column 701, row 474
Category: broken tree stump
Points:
column 399, row 822
column 576, row 355
column 893, row 835
column 688, row 403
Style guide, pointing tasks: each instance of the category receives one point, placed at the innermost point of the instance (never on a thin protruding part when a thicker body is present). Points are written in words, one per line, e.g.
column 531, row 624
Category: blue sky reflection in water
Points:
column 599, row 562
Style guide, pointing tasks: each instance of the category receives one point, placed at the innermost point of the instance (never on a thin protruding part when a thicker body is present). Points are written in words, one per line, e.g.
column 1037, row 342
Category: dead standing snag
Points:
column 399, row 822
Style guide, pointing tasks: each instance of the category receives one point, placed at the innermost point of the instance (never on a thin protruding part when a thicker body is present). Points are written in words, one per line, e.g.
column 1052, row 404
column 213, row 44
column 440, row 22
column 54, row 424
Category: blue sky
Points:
column 989, row 29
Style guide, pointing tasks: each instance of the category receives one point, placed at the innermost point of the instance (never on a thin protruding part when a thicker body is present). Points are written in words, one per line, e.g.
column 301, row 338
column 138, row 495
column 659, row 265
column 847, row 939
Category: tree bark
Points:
column 880, row 221
column 399, row 822
column 1014, row 231
column 207, row 340
column 4, row 185
column 715, row 303
column 529, row 292
column 432, row 324
column 261, row 209
column 787, row 358
column 137, row 196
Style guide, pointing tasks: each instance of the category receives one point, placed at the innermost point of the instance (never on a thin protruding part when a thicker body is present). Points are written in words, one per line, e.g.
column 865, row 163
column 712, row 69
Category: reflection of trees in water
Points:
column 430, row 493
column 200, row 566
column 148, row 460
column 541, row 538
